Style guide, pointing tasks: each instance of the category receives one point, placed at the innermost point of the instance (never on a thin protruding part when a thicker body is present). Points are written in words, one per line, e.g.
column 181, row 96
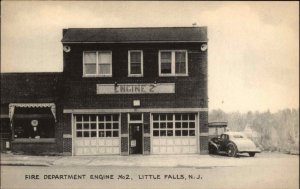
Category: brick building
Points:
column 122, row 91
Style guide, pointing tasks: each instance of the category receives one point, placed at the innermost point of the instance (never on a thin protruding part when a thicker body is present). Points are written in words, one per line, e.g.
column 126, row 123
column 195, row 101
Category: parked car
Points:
column 232, row 143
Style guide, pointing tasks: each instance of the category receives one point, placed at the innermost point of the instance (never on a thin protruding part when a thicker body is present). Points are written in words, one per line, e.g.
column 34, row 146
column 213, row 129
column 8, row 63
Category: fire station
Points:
column 123, row 91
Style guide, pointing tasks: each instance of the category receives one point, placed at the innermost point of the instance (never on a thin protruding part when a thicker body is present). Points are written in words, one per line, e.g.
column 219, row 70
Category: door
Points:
column 97, row 134
column 136, row 139
column 174, row 133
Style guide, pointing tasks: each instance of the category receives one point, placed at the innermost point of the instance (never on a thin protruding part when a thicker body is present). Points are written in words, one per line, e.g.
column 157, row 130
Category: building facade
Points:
column 123, row 91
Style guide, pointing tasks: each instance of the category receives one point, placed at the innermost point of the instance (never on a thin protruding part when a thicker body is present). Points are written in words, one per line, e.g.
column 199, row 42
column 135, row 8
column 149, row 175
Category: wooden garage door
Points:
column 174, row 133
column 97, row 134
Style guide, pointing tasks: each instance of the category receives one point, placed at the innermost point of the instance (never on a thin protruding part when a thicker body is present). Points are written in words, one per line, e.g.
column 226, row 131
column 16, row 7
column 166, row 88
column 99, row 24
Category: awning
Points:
column 12, row 107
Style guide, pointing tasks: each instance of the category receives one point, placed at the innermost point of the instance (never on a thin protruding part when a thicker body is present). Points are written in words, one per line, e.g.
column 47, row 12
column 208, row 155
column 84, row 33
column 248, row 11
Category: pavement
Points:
column 194, row 160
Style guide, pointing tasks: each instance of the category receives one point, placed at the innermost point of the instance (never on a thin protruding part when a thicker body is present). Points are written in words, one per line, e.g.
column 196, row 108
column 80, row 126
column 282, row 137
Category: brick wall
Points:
column 203, row 139
column 147, row 145
column 146, row 134
column 60, row 125
column 124, row 123
column 203, row 122
column 66, row 129
column 80, row 92
column 34, row 148
column 124, row 146
column 203, row 145
column 67, row 146
column 124, row 134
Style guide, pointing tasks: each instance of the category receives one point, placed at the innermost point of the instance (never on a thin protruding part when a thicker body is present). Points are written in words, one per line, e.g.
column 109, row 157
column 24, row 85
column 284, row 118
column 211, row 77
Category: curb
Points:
column 14, row 163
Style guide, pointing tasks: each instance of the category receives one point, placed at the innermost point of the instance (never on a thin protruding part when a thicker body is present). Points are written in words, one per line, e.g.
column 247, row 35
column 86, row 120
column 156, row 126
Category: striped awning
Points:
column 12, row 107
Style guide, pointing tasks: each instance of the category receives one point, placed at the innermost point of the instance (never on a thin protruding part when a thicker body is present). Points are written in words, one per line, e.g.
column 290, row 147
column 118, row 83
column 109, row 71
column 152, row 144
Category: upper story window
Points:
column 97, row 63
column 135, row 63
column 173, row 63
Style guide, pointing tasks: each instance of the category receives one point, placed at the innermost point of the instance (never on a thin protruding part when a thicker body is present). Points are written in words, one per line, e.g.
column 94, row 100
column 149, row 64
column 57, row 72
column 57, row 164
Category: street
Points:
column 264, row 171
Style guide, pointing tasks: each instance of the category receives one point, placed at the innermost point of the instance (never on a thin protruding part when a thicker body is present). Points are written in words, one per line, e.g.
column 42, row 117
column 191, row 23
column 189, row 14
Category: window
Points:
column 173, row 63
column 135, row 117
column 168, row 125
column 135, row 63
column 97, row 63
column 97, row 125
column 33, row 123
column 23, row 128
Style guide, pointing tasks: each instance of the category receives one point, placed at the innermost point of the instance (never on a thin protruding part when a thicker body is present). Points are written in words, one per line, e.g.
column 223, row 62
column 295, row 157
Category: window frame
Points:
column 173, row 63
column 189, row 129
column 84, row 74
column 97, row 122
column 129, row 64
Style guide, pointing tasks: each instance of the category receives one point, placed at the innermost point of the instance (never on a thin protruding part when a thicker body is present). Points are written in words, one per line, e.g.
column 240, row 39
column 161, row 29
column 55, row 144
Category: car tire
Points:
column 232, row 150
column 251, row 154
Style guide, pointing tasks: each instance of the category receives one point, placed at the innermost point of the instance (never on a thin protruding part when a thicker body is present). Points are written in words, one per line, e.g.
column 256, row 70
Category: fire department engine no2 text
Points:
column 113, row 177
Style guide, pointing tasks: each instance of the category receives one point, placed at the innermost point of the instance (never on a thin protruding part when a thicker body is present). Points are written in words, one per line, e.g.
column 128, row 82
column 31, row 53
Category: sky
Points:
column 253, row 47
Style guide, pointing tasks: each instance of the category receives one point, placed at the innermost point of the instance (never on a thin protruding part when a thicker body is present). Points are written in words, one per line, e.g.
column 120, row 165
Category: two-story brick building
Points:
column 128, row 91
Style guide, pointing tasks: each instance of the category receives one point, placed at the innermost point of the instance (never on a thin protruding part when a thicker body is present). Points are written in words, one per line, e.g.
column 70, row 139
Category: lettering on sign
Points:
column 143, row 88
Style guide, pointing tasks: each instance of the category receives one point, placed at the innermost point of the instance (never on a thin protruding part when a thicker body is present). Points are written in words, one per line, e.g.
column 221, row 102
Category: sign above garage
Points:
column 134, row 88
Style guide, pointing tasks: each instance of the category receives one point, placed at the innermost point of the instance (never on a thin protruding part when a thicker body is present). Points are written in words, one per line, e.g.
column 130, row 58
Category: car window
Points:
column 238, row 136
column 224, row 137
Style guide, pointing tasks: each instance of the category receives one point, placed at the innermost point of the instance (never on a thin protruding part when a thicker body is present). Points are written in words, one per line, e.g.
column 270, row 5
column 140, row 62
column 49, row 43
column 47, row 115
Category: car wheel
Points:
column 251, row 154
column 231, row 150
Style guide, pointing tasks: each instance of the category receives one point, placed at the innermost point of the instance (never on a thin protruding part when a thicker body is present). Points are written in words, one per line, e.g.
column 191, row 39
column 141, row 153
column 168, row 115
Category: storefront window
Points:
column 33, row 123
column 23, row 128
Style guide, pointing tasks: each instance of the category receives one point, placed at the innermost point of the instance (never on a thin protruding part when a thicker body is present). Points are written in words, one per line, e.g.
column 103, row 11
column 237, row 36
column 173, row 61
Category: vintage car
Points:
column 232, row 143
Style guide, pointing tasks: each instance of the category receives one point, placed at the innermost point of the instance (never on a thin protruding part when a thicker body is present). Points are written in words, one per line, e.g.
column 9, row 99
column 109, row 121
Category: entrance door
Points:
column 136, row 139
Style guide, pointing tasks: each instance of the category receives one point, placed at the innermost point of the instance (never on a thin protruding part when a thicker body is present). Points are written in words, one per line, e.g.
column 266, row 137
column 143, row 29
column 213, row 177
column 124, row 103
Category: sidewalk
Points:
column 195, row 160
column 135, row 161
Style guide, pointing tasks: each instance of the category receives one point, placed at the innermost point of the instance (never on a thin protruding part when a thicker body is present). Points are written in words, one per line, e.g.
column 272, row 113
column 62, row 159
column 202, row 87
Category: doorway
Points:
column 135, row 138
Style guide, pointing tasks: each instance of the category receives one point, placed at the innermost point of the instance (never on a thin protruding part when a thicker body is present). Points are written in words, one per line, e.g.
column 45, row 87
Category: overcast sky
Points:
column 253, row 46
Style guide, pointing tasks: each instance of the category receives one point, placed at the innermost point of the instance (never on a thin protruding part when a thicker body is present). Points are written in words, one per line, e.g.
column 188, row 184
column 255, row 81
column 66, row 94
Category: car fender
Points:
column 215, row 145
column 244, row 145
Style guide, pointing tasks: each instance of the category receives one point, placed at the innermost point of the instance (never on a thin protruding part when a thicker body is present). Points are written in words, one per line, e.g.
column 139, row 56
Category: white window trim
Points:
column 136, row 121
column 97, row 64
column 172, row 63
column 129, row 63
column 97, row 130
column 174, row 126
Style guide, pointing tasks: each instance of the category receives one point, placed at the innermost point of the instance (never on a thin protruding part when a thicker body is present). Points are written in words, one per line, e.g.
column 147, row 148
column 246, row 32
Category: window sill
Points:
column 135, row 75
column 173, row 75
column 87, row 76
column 33, row 140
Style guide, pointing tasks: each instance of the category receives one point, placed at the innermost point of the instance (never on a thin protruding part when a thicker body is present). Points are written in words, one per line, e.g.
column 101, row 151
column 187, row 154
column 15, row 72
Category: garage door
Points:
column 174, row 133
column 97, row 134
